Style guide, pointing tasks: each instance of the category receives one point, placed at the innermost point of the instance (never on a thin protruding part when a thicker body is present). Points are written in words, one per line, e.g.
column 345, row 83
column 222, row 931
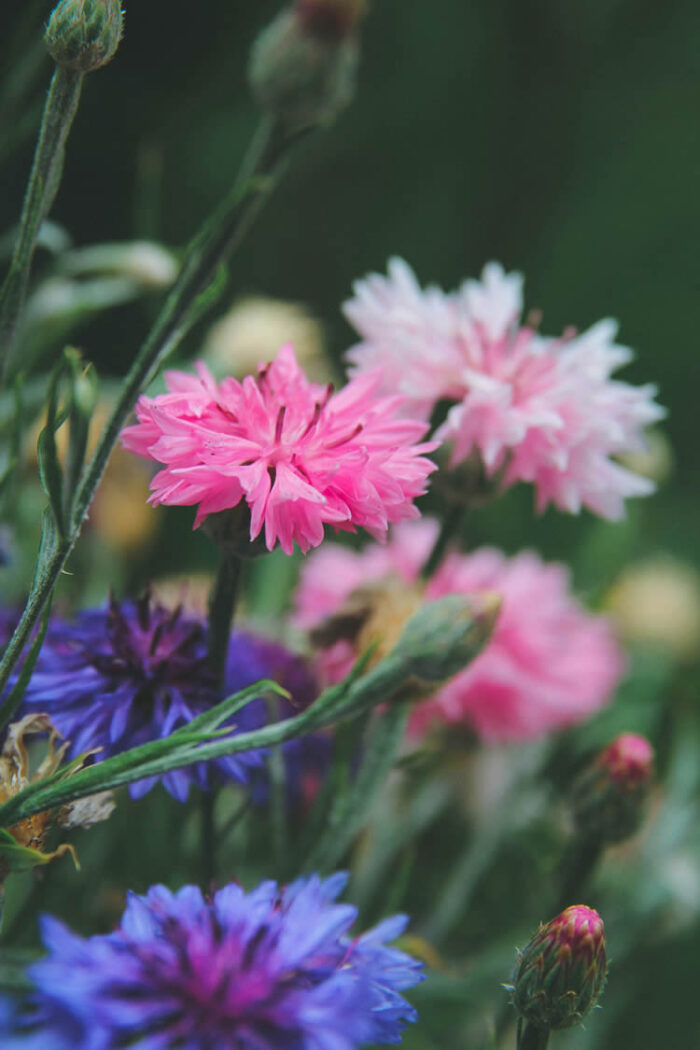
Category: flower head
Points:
column 549, row 664
column 561, row 971
column 610, row 796
column 272, row 969
column 538, row 409
column 136, row 671
column 298, row 455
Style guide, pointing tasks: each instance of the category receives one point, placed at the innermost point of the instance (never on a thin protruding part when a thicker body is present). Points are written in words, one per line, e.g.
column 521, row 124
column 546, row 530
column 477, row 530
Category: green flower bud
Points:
column 609, row 798
column 444, row 636
column 561, row 972
column 303, row 65
column 83, row 35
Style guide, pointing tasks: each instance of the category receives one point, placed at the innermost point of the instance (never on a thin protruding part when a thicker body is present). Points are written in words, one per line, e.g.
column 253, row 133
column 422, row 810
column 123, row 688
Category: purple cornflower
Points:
column 274, row 969
column 135, row 671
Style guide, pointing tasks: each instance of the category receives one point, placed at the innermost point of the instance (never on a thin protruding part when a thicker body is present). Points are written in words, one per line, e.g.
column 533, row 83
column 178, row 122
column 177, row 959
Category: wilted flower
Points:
column 135, row 671
column 271, row 969
column 610, row 796
column 536, row 409
column 549, row 664
column 297, row 455
column 22, row 846
column 561, row 971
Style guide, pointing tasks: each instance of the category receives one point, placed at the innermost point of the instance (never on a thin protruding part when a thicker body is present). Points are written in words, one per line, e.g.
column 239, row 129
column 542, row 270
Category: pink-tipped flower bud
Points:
column 561, row 971
column 609, row 798
column 303, row 65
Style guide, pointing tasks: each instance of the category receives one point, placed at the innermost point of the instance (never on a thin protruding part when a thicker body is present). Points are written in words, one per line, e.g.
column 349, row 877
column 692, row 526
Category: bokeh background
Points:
column 561, row 139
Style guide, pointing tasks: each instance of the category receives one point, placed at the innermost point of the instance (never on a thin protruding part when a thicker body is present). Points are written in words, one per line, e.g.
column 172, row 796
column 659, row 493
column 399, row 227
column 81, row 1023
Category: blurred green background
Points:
column 559, row 138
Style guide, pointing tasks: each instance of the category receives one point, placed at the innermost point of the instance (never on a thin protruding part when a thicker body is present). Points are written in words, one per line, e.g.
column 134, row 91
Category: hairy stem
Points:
column 44, row 179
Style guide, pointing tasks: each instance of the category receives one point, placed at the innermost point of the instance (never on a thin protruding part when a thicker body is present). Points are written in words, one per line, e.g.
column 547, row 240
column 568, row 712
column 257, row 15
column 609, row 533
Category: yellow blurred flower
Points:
column 657, row 603
column 655, row 462
column 253, row 331
column 189, row 590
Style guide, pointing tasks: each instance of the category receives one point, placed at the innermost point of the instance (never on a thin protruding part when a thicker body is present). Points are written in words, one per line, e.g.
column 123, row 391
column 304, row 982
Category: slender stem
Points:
column 532, row 1037
column 450, row 525
column 334, row 705
column 207, row 806
column 220, row 236
column 577, row 867
column 222, row 604
column 222, row 607
column 277, row 778
column 59, row 112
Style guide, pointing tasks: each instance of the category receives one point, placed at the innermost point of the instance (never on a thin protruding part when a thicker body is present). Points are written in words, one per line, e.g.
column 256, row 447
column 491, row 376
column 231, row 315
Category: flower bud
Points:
column 83, row 35
column 445, row 635
column 561, row 971
column 303, row 65
column 609, row 798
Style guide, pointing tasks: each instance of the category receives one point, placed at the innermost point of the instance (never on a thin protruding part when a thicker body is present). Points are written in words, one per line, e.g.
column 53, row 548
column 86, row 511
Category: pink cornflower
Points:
column 549, row 663
column 541, row 410
column 297, row 454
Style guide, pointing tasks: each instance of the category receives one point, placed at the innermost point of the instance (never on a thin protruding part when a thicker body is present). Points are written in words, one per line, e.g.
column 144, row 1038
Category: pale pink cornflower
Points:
column 549, row 663
column 540, row 410
column 297, row 454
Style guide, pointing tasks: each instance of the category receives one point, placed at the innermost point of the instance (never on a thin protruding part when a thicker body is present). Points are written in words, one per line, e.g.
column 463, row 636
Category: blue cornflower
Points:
column 135, row 671
column 273, row 969
column 20, row 1030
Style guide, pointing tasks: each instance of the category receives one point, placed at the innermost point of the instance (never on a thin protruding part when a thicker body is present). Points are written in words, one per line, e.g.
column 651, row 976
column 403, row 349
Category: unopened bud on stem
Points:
column 303, row 65
column 609, row 798
column 83, row 35
column 561, row 972
column 446, row 635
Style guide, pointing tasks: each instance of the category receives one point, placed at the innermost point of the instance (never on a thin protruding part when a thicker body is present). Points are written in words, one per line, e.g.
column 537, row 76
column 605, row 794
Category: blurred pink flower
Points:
column 544, row 410
column 550, row 664
column 297, row 454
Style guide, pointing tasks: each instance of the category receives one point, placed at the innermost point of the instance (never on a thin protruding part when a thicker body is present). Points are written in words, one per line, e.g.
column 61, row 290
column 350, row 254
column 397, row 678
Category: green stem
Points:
column 222, row 607
column 450, row 525
column 59, row 112
column 532, row 1037
column 219, row 238
column 351, row 808
column 277, row 775
column 207, row 806
column 577, row 867
column 222, row 604
column 185, row 746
